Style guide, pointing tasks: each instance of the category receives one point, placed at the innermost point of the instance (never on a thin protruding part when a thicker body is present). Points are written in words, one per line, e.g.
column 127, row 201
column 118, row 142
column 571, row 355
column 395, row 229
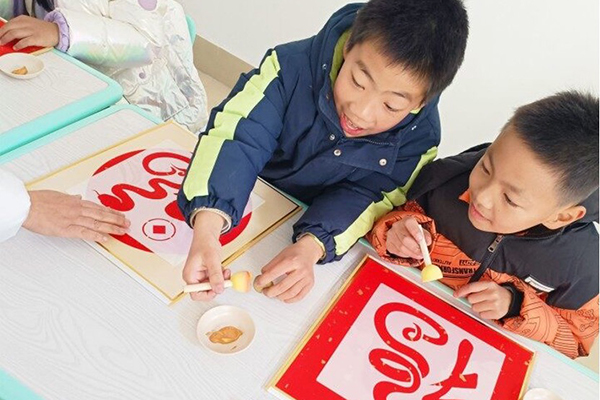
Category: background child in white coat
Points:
column 142, row 44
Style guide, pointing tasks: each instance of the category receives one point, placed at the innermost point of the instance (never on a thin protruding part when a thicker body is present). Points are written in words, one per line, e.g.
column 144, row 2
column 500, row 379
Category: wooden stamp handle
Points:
column 203, row 287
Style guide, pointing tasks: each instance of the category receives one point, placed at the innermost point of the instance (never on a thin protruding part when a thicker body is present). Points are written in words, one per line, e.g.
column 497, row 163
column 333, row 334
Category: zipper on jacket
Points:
column 487, row 260
column 492, row 247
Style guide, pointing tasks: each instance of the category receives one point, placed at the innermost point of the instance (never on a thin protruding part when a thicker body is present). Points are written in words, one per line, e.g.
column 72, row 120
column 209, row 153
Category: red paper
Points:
column 386, row 338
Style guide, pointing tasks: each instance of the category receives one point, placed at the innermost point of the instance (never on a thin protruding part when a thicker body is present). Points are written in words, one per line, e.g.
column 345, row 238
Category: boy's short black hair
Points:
column 428, row 37
column 563, row 131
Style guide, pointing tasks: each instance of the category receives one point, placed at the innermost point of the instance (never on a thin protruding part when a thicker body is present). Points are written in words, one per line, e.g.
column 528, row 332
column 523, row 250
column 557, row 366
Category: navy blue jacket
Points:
column 280, row 122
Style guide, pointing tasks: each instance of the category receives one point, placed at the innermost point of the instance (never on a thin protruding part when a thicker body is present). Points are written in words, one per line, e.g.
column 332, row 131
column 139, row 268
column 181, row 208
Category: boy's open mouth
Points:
column 349, row 127
column 474, row 212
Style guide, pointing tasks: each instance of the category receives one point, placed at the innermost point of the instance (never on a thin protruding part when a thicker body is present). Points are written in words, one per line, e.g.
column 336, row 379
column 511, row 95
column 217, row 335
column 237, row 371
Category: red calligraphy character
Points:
column 414, row 365
column 120, row 199
column 456, row 378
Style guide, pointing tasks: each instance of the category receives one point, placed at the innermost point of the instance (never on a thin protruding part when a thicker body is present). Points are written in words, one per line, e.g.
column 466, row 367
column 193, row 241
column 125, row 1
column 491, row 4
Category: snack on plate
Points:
column 226, row 335
column 20, row 71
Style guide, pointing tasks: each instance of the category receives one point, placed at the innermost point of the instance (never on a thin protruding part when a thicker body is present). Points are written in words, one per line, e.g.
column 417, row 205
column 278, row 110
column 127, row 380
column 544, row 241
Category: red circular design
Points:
column 152, row 237
column 235, row 232
column 130, row 241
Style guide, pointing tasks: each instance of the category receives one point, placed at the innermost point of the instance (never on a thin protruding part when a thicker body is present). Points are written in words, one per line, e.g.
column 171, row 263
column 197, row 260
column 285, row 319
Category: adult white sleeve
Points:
column 14, row 204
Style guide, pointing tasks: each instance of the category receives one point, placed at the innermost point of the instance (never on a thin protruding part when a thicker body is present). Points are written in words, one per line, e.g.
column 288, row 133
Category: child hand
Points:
column 297, row 262
column 403, row 238
column 58, row 214
column 204, row 258
column 488, row 299
column 29, row 31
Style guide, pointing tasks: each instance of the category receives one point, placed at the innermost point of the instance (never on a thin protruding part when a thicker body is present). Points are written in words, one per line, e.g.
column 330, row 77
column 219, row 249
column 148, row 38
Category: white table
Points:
column 66, row 91
column 74, row 326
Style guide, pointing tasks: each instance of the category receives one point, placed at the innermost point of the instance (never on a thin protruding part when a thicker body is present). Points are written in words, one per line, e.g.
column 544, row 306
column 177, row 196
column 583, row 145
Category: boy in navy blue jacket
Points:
column 343, row 121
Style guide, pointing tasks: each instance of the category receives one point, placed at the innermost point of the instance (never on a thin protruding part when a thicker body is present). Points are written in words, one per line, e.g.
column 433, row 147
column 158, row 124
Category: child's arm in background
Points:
column 240, row 139
column 115, row 34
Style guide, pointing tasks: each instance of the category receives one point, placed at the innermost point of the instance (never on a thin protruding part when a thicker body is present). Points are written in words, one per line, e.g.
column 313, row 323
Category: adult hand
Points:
column 58, row 214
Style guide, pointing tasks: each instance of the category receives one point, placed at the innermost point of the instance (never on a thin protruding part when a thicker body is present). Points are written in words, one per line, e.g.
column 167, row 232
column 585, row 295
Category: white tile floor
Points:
column 217, row 91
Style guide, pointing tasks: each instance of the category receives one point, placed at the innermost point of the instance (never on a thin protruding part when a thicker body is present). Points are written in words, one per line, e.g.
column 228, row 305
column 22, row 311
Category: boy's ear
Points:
column 565, row 217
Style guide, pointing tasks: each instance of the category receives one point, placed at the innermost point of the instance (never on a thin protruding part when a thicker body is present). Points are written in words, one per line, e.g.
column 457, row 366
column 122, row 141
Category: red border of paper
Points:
column 299, row 380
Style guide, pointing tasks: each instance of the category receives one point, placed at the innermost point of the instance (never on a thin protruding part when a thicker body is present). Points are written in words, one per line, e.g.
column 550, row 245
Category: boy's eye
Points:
column 484, row 168
column 356, row 83
column 391, row 109
column 509, row 201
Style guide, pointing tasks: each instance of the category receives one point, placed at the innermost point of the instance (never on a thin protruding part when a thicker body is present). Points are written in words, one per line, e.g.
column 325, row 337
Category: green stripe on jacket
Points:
column 225, row 125
column 363, row 224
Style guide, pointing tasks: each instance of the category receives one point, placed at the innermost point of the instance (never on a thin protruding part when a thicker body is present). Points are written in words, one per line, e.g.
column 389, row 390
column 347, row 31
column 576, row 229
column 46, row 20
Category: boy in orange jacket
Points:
column 512, row 225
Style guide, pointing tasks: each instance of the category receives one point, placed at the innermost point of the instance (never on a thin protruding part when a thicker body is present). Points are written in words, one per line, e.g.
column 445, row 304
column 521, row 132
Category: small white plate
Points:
column 220, row 317
column 12, row 61
column 540, row 394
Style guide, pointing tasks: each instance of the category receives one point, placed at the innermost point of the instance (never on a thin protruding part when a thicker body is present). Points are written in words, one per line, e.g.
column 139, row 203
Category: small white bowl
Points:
column 540, row 394
column 220, row 317
column 12, row 61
